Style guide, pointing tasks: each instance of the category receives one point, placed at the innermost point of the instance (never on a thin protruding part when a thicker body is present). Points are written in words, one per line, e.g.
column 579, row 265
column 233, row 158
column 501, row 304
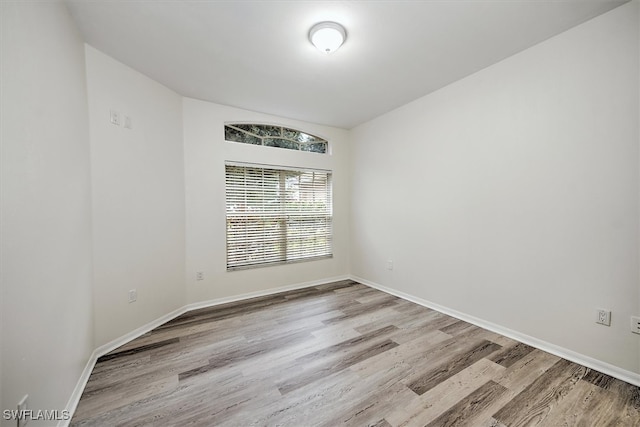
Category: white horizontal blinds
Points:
column 308, row 210
column 276, row 215
column 254, row 221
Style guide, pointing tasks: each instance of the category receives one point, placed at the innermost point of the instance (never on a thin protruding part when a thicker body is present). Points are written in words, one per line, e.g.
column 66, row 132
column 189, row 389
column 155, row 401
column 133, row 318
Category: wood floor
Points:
column 343, row 354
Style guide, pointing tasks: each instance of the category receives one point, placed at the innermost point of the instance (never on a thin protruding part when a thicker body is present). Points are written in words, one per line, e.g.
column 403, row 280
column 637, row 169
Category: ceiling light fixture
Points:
column 327, row 36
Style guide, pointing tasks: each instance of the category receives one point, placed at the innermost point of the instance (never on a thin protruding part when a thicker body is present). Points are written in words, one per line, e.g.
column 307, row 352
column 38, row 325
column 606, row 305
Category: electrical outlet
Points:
column 23, row 406
column 133, row 295
column 635, row 324
column 390, row 264
column 199, row 275
column 603, row 316
column 114, row 117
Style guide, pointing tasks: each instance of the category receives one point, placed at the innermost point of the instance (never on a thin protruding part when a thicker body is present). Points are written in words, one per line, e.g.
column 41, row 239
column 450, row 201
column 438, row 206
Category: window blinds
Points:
column 277, row 215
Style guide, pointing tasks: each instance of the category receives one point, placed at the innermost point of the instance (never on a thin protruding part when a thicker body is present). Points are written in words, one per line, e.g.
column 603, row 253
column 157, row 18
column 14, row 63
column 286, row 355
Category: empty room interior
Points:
column 383, row 213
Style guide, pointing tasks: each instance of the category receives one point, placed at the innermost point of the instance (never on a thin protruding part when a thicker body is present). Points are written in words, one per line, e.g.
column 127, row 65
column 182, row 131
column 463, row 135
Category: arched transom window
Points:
column 274, row 136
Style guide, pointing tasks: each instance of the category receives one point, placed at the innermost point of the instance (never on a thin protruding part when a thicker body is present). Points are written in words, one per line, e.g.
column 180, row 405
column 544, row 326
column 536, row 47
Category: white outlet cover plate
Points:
column 603, row 317
column 114, row 117
column 635, row 324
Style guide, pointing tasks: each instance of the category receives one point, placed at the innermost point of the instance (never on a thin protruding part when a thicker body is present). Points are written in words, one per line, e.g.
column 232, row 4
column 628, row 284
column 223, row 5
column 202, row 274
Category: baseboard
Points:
column 136, row 333
column 72, row 404
column 219, row 301
column 106, row 348
column 589, row 362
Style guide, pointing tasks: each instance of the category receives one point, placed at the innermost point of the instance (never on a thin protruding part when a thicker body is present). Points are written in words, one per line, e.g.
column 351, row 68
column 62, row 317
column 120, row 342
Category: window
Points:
column 274, row 136
column 277, row 215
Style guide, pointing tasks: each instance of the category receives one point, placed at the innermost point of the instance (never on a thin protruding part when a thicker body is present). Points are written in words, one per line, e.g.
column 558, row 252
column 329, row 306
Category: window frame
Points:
column 281, row 215
column 302, row 146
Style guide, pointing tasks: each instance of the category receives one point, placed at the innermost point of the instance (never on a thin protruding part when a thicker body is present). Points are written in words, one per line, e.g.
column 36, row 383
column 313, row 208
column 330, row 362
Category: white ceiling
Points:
column 256, row 55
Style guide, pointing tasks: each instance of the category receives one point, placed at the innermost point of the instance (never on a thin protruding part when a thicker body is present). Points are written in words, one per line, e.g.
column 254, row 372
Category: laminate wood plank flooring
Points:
column 342, row 354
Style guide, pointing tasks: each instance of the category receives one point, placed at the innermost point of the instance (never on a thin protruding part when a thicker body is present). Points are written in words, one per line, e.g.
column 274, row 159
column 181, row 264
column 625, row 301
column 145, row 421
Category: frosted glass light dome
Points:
column 327, row 36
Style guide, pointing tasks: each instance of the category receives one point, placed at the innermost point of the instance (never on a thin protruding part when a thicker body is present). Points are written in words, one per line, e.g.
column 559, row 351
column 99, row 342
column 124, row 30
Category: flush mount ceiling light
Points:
column 327, row 36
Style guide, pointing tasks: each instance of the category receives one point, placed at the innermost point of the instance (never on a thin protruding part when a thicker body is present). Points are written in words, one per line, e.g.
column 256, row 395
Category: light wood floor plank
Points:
column 467, row 410
column 342, row 354
column 532, row 406
column 423, row 409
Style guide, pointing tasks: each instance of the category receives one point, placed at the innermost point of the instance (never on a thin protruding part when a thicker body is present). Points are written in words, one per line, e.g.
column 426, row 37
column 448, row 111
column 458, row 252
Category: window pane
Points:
column 281, row 143
column 318, row 147
column 274, row 136
column 296, row 135
column 276, row 216
column 235, row 135
column 261, row 130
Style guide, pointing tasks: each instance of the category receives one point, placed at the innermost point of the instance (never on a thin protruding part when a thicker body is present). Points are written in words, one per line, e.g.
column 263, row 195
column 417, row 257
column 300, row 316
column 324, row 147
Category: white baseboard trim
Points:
column 219, row 301
column 106, row 348
column 136, row 333
column 598, row 365
column 72, row 404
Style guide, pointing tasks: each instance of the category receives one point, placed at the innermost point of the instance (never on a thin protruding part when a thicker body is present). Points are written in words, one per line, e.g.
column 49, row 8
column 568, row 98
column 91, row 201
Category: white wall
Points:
column 138, row 198
column 512, row 195
column 525, row 178
column 46, row 322
column 205, row 156
column 637, row 2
